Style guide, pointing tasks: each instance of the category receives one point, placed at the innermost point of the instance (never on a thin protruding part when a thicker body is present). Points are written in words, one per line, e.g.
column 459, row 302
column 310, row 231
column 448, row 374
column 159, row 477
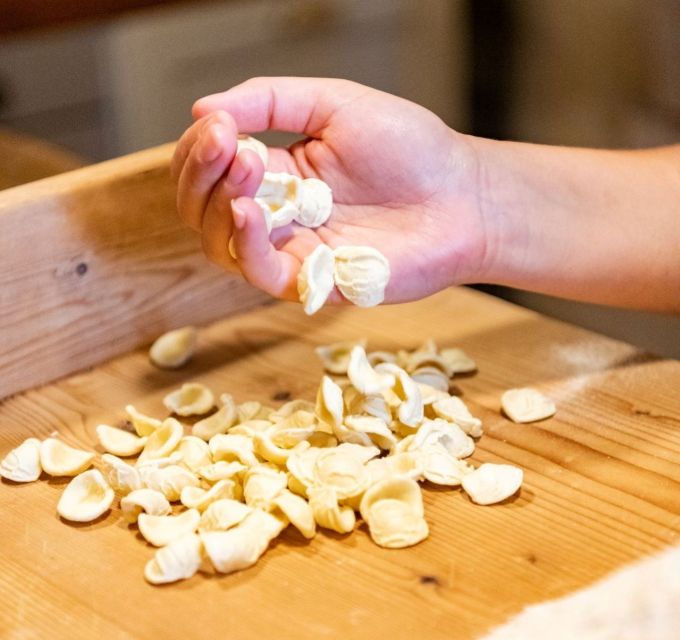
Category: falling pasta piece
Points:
column 315, row 278
column 527, row 405
column 174, row 349
column 22, row 464
column 86, row 497
column 491, row 483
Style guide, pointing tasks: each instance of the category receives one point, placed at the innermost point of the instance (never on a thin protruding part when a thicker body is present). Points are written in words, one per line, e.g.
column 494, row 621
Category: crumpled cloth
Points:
column 639, row 602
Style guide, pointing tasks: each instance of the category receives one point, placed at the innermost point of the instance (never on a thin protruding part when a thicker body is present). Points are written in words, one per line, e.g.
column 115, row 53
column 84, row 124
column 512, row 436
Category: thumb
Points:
column 296, row 105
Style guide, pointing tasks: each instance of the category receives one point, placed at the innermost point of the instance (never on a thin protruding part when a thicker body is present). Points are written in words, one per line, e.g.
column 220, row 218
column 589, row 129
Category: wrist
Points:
column 499, row 239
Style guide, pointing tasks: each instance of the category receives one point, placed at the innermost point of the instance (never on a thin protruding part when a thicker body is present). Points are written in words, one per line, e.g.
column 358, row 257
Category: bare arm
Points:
column 445, row 208
column 598, row 226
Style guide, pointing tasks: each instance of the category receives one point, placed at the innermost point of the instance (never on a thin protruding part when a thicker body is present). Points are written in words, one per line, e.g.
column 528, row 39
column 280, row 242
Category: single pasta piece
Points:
column 361, row 274
column 315, row 278
column 22, row 464
column 393, row 511
column 144, row 500
column 118, row 441
column 86, row 497
column 59, row 459
column 259, row 147
column 161, row 530
column 174, row 349
column 527, row 405
column 178, row 560
column 191, row 399
column 491, row 483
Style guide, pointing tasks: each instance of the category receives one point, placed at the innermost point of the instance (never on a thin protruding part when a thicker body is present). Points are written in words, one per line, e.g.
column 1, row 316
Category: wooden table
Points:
column 94, row 263
column 602, row 487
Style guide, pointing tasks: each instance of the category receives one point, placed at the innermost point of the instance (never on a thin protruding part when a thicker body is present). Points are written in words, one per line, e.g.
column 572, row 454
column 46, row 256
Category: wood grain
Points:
column 602, row 487
column 95, row 262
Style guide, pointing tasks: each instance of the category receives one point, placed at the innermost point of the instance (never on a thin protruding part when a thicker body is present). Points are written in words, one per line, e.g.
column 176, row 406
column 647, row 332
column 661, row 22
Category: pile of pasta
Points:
column 212, row 495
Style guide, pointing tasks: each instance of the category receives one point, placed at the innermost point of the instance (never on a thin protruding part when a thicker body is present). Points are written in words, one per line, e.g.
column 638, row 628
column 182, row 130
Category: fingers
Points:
column 298, row 105
column 208, row 159
column 243, row 179
column 189, row 138
column 261, row 264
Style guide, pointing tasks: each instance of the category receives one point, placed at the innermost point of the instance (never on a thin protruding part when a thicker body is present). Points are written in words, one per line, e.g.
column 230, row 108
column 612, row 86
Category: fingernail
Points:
column 211, row 145
column 237, row 173
column 238, row 215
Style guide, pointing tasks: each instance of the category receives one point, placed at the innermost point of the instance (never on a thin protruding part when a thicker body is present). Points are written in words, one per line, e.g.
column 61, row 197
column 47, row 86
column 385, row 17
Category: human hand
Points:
column 402, row 181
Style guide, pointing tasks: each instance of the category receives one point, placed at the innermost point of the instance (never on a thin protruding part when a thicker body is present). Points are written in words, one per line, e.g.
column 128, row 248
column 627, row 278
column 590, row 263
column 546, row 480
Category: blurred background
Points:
column 81, row 82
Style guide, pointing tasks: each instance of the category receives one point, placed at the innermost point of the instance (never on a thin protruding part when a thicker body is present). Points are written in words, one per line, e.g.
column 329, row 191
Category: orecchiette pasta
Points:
column 174, row 349
column 245, row 472
column 23, row 463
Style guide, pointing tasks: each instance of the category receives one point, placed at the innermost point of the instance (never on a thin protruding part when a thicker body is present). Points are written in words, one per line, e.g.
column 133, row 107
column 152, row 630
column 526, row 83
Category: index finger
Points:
column 296, row 105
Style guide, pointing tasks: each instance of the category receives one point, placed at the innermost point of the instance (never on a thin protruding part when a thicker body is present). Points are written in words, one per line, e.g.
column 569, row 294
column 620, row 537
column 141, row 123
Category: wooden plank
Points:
column 602, row 487
column 94, row 263
column 25, row 159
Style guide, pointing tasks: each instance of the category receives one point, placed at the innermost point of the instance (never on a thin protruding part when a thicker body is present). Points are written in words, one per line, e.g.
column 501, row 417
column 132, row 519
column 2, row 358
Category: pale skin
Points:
column 443, row 207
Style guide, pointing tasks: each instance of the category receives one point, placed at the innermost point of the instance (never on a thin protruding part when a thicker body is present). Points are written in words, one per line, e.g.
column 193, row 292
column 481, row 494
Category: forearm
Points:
column 599, row 226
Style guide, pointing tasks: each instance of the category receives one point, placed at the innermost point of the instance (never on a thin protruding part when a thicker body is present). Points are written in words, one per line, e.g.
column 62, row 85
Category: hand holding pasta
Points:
column 442, row 207
column 395, row 169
